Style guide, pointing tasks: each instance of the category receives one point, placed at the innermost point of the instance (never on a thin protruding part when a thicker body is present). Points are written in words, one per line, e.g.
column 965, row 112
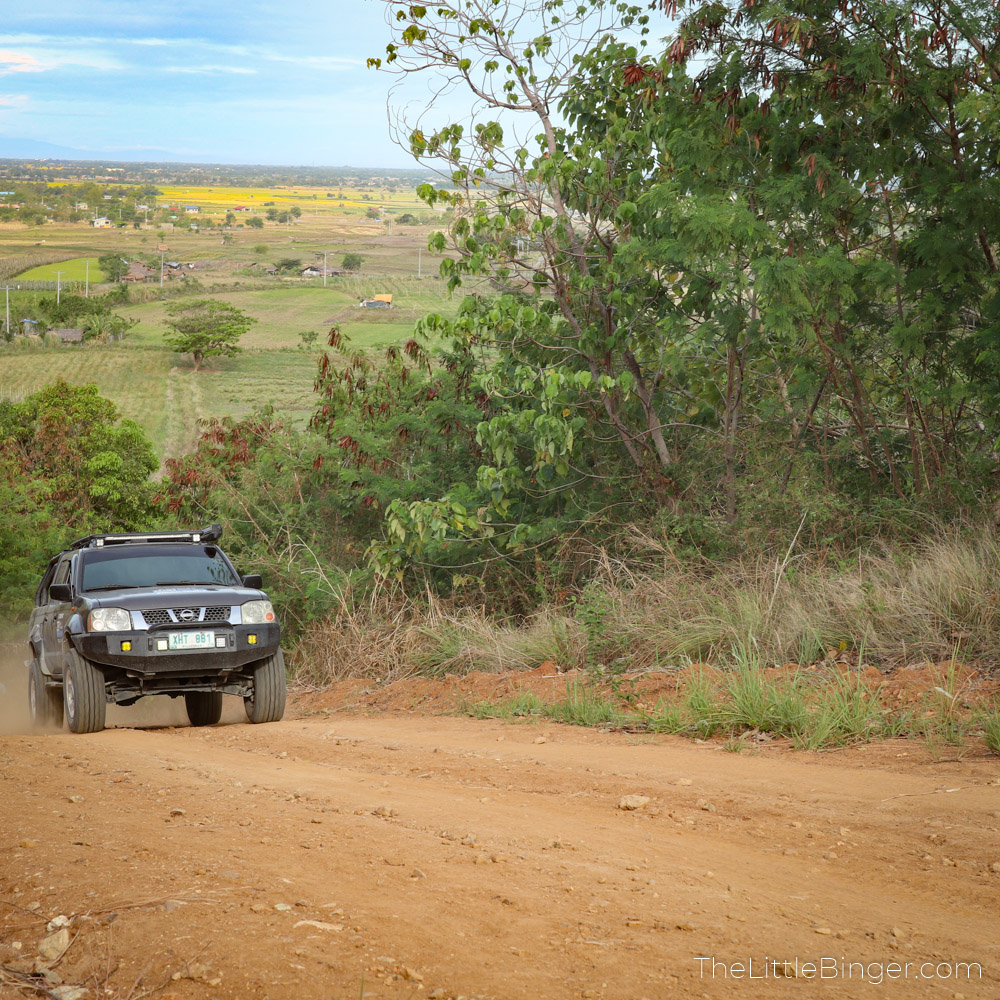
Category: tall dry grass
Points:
column 937, row 600
column 388, row 637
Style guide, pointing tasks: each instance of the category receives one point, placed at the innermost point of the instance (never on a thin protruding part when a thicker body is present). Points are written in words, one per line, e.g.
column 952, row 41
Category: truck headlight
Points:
column 109, row 620
column 257, row 612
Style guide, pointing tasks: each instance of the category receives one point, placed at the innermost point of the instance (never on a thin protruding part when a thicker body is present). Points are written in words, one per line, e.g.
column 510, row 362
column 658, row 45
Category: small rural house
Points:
column 383, row 301
column 318, row 270
column 68, row 334
column 192, row 209
column 138, row 272
column 101, row 223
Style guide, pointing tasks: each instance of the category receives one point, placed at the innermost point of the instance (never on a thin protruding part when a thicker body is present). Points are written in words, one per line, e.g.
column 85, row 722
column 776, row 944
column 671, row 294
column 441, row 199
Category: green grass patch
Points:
column 524, row 705
column 991, row 731
column 813, row 712
column 582, row 706
column 67, row 270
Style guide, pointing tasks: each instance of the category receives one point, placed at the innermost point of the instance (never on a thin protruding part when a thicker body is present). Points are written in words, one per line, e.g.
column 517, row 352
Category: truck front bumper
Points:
column 227, row 649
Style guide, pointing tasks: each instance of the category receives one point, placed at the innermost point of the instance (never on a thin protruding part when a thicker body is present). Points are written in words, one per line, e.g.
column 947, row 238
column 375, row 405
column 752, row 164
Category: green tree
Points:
column 206, row 328
column 295, row 212
column 255, row 222
column 113, row 266
column 352, row 262
column 69, row 463
column 748, row 251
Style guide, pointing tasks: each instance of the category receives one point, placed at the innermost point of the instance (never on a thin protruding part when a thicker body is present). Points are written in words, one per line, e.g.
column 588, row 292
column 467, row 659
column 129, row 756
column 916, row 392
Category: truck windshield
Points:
column 156, row 566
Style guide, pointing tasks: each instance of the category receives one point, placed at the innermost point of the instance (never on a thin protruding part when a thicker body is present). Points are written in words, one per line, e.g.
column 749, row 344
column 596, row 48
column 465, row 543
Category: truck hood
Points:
column 141, row 598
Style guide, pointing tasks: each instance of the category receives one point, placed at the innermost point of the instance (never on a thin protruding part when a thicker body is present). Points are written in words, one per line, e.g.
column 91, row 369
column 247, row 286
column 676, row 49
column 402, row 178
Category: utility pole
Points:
column 86, row 287
column 7, row 328
column 58, row 285
column 418, row 262
column 324, row 269
column 162, row 252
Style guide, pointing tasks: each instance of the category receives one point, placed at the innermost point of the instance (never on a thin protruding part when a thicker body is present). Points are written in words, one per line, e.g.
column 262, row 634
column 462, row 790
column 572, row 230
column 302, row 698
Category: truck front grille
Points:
column 184, row 616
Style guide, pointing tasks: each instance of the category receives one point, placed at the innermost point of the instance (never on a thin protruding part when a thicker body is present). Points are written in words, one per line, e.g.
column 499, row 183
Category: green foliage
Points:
column 991, row 731
column 113, row 266
column 352, row 262
column 69, row 464
column 206, row 328
column 757, row 266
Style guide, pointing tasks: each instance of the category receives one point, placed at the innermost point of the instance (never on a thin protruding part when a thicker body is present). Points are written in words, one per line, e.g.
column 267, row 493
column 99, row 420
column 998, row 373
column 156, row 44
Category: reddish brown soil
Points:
column 441, row 857
column 913, row 686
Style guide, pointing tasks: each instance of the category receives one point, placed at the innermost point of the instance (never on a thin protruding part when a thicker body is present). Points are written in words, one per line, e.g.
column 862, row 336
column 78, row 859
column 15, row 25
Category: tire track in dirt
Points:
column 488, row 864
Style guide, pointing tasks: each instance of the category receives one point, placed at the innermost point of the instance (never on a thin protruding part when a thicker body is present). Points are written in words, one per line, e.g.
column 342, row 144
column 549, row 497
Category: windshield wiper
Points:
column 187, row 583
column 110, row 586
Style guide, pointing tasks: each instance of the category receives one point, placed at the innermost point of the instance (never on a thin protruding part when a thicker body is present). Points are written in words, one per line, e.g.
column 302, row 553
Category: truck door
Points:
column 56, row 615
column 40, row 615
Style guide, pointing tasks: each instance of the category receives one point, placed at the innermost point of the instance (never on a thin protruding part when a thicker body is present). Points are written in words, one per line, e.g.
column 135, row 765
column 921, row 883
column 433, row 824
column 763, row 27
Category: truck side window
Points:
column 62, row 571
column 42, row 594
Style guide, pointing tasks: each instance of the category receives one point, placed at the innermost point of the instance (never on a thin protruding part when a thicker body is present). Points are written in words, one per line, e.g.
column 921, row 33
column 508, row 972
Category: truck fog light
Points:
column 161, row 644
column 126, row 646
column 252, row 639
column 220, row 642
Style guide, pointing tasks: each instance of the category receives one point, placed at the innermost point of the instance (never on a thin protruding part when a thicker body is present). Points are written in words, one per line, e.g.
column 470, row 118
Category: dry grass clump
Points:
column 936, row 601
column 391, row 637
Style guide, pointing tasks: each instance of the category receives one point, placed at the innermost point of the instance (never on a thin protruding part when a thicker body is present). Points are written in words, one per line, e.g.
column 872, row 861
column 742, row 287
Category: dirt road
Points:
column 402, row 855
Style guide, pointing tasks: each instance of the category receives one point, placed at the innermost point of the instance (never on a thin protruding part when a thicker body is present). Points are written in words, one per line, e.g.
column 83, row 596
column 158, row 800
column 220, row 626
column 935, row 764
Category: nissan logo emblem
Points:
column 187, row 615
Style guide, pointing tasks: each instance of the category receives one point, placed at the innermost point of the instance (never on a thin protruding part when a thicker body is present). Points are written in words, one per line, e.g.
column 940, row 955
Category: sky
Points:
column 222, row 81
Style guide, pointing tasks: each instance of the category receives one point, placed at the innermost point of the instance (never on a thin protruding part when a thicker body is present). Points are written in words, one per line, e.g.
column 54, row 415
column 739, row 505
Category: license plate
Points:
column 191, row 640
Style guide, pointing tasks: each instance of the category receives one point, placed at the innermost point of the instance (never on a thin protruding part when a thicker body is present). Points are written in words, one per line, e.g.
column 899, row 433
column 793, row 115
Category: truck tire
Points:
column 267, row 702
column 204, row 708
column 83, row 694
column 44, row 703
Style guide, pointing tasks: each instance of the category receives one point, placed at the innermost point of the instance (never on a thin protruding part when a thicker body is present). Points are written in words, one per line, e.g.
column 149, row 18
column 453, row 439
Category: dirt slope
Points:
column 401, row 855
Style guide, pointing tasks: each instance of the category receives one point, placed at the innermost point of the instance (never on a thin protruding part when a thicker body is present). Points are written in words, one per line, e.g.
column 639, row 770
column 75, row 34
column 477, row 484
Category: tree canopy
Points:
column 206, row 328
column 754, row 266
column 69, row 463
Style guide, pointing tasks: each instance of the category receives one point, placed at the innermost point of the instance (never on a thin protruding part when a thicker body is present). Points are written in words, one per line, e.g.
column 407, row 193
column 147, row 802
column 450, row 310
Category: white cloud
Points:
column 210, row 70
column 46, row 60
column 18, row 62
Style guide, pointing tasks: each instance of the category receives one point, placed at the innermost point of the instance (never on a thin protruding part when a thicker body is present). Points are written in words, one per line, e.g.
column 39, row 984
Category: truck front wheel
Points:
column 266, row 703
column 84, row 696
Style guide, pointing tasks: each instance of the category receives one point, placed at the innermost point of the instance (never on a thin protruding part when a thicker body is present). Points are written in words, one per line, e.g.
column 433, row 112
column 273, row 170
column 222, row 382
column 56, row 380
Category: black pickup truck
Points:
column 120, row 616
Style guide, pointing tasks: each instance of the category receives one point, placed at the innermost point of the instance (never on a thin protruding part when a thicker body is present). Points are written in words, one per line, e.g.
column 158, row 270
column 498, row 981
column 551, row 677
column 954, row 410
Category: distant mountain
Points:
column 12, row 148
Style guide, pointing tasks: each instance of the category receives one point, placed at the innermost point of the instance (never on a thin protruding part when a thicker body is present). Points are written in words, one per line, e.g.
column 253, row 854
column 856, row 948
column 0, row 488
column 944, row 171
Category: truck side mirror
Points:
column 253, row 580
column 60, row 592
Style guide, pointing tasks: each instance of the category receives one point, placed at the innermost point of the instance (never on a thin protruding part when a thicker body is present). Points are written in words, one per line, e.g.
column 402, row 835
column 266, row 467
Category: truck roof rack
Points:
column 210, row 534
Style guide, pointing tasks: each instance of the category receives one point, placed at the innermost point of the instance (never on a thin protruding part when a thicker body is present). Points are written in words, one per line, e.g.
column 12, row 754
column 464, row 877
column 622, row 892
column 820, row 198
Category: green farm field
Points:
column 74, row 269
column 160, row 391
column 285, row 311
column 158, row 388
